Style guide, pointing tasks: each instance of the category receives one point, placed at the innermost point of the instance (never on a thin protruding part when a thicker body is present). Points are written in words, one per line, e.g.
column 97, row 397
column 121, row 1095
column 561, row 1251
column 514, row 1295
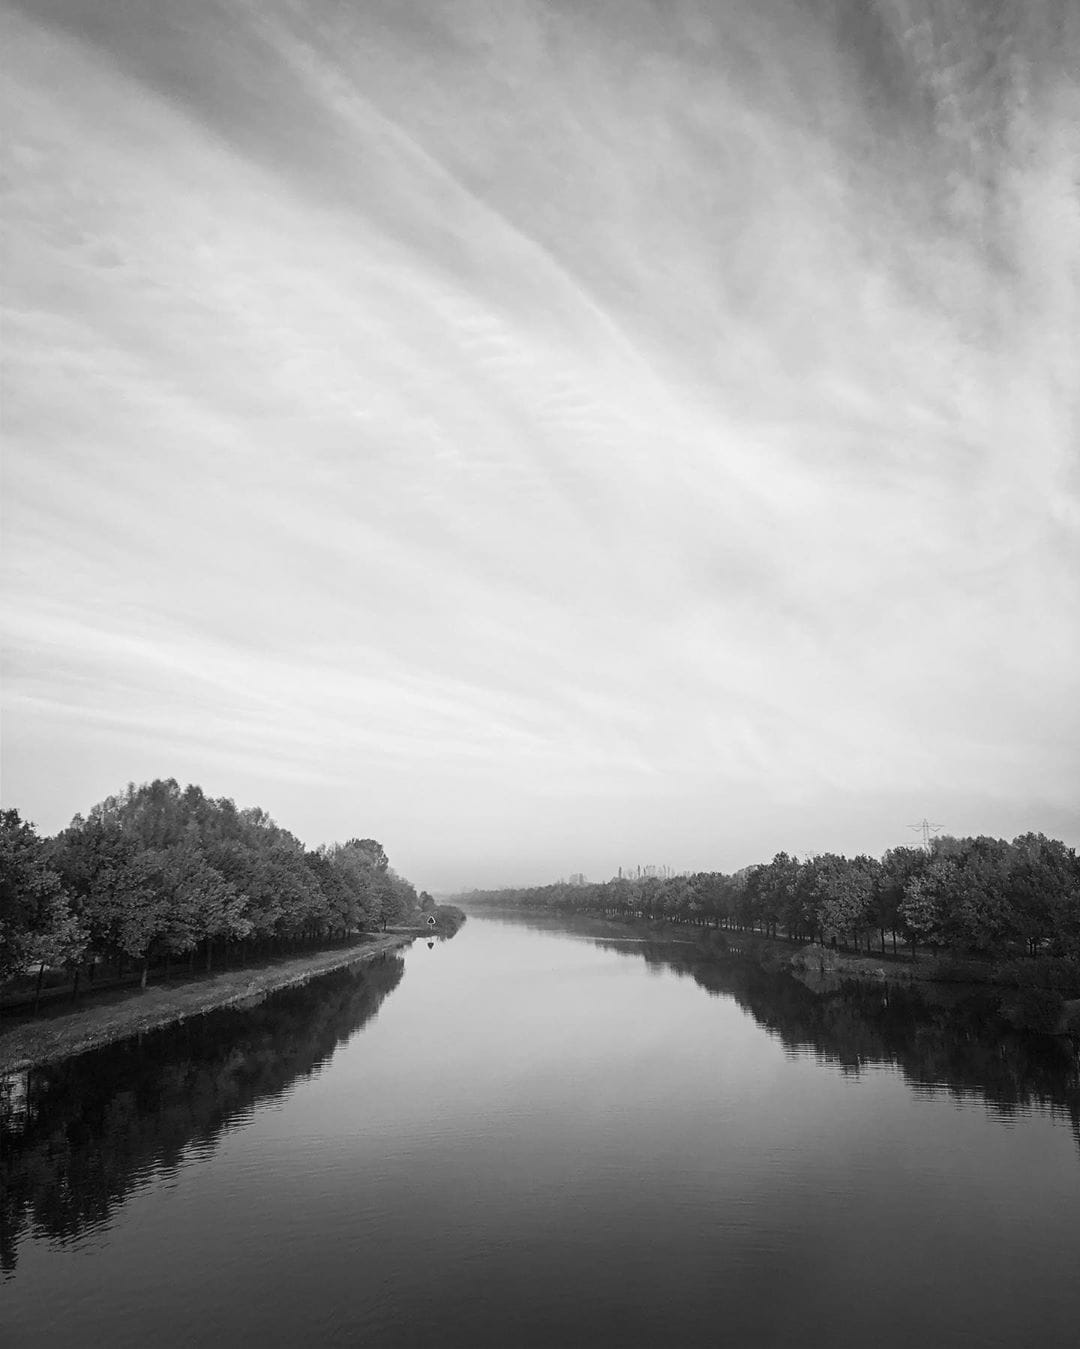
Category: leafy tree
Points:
column 920, row 908
column 898, row 866
column 975, row 912
column 37, row 924
column 201, row 902
column 117, row 885
column 373, row 851
column 398, row 899
column 1044, row 887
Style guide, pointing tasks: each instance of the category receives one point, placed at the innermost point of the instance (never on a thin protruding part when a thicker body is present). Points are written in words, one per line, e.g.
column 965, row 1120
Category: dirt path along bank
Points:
column 27, row 1044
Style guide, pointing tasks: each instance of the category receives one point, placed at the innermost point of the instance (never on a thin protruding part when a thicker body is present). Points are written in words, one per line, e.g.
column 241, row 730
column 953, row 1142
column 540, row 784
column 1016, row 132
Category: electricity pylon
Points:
column 926, row 829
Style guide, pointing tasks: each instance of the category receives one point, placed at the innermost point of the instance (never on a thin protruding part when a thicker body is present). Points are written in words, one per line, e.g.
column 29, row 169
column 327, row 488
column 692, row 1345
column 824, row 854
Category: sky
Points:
column 546, row 435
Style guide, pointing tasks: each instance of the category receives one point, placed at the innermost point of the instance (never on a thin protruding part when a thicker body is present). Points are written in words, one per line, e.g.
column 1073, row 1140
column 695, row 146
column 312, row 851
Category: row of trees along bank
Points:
column 161, row 872
column 971, row 896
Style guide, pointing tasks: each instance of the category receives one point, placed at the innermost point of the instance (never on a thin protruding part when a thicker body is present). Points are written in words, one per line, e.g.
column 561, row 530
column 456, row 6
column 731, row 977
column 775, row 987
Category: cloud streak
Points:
column 546, row 436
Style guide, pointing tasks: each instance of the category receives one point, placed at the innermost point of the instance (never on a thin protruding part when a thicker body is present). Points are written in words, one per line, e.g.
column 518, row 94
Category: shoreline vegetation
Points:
column 959, row 910
column 140, row 903
column 1019, row 1005
column 447, row 919
column 126, row 1013
column 118, row 1013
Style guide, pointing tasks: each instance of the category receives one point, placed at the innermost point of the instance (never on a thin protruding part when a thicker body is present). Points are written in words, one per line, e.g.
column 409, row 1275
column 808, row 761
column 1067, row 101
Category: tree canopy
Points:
column 976, row 896
column 160, row 870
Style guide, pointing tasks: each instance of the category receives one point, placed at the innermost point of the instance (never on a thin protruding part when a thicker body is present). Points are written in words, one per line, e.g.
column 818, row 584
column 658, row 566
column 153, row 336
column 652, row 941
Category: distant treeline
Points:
column 161, row 871
column 976, row 896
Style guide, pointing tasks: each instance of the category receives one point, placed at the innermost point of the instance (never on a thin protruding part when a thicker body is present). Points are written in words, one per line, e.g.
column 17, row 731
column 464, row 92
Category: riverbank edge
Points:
column 1025, row 1007
column 448, row 920
column 38, row 1042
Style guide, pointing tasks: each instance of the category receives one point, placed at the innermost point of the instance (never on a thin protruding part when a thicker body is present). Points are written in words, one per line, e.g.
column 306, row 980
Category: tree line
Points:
column 972, row 896
column 159, row 872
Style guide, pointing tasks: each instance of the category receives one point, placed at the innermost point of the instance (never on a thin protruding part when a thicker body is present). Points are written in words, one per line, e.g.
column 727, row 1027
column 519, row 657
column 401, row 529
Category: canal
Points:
column 530, row 1136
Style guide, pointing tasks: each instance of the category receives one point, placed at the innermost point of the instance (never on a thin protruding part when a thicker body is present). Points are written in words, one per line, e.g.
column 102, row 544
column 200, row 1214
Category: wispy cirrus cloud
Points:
column 546, row 435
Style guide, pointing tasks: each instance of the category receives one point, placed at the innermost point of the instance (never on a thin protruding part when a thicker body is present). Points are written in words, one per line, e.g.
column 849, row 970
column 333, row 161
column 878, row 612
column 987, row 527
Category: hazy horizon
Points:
column 546, row 437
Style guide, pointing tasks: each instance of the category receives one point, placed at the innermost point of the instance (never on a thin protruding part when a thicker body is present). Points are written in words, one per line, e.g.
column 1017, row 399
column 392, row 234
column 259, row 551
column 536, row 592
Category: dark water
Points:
column 524, row 1137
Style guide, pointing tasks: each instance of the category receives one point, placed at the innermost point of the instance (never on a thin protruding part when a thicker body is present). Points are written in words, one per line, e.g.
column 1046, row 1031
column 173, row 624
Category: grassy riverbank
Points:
column 447, row 919
column 123, row 1012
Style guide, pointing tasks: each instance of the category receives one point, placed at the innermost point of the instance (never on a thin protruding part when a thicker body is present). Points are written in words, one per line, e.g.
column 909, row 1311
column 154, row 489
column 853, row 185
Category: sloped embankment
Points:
column 59, row 1037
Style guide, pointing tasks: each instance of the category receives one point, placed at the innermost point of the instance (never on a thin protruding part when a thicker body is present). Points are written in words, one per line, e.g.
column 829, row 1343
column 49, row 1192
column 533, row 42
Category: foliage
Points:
column 973, row 897
column 37, row 923
column 159, row 870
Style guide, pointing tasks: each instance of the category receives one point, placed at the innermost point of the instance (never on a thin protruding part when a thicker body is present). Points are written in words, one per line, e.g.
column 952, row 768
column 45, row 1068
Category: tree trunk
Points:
column 145, row 967
column 209, row 953
column 37, row 990
column 75, row 985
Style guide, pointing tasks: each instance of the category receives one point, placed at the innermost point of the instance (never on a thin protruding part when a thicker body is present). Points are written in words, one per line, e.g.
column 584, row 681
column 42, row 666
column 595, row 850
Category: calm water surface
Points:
column 526, row 1137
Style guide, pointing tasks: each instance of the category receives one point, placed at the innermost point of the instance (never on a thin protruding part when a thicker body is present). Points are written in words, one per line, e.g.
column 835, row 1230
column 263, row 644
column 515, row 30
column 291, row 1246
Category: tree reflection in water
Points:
column 943, row 1037
column 948, row 1038
column 79, row 1137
